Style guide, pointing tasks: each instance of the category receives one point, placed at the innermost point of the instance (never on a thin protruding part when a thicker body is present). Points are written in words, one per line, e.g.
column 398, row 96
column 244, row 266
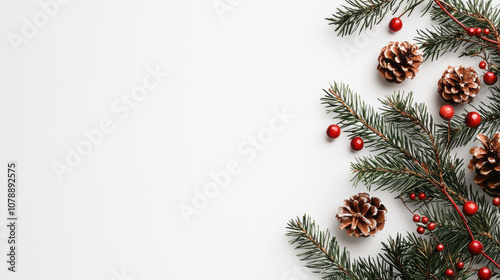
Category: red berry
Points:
column 490, row 78
column 446, row 112
column 496, row 201
column 470, row 208
column 422, row 196
column 425, row 220
column 484, row 273
column 449, row 272
column 413, row 196
column 486, row 31
column 333, row 131
column 431, row 226
column 416, row 218
column 473, row 119
column 460, row 265
column 440, row 247
column 478, row 31
column 396, row 24
column 357, row 144
column 475, row 247
column 471, row 31
column 421, row 230
column 482, row 64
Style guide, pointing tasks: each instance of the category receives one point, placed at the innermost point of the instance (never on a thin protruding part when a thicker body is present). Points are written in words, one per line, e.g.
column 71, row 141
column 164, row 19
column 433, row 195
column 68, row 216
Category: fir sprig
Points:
column 409, row 258
column 359, row 15
column 450, row 35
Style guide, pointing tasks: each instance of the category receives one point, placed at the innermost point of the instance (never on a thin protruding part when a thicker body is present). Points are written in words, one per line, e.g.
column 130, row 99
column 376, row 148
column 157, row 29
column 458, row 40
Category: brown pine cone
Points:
column 486, row 162
column 362, row 215
column 459, row 85
column 399, row 61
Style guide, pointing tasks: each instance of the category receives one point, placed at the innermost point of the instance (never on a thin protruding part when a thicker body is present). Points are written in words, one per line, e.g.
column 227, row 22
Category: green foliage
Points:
column 411, row 154
column 364, row 14
column 409, row 258
column 447, row 36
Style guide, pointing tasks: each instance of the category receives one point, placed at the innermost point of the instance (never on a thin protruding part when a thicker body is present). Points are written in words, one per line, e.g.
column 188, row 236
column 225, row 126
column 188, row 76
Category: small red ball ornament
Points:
column 478, row 31
column 475, row 247
column 490, row 78
column 422, row 196
column 357, row 144
column 413, row 196
column 449, row 272
column 440, row 247
column 471, row 31
column 396, row 24
column 425, row 220
column 416, row 218
column 421, row 230
column 431, row 226
column 484, row 273
column 333, row 131
column 496, row 201
column 486, row 31
column 482, row 64
column 446, row 112
column 473, row 119
column 460, row 265
column 470, row 208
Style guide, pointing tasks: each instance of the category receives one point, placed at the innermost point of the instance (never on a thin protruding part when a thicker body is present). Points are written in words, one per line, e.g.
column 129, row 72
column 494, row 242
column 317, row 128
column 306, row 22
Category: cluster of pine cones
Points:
column 399, row 61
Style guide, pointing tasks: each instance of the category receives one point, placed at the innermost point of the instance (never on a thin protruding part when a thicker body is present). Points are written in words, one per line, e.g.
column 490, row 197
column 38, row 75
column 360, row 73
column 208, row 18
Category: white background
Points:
column 116, row 214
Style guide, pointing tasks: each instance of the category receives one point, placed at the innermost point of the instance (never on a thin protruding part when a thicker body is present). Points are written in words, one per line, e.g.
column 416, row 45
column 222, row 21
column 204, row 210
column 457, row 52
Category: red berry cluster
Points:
column 471, row 31
column 475, row 247
column 333, row 131
column 421, row 196
column 473, row 119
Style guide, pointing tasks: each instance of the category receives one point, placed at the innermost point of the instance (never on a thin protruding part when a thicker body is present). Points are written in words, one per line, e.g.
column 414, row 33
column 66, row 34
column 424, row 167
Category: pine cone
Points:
column 486, row 162
column 459, row 85
column 362, row 215
column 398, row 61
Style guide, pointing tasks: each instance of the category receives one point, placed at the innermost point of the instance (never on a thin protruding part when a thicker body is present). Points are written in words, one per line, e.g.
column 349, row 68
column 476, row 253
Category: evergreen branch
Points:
column 321, row 252
column 361, row 120
column 363, row 14
column 443, row 39
column 393, row 174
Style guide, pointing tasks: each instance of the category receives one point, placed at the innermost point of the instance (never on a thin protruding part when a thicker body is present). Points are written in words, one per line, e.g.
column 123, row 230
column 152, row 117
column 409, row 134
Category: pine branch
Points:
column 443, row 39
column 410, row 258
column 364, row 14
column 359, row 119
column 321, row 251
